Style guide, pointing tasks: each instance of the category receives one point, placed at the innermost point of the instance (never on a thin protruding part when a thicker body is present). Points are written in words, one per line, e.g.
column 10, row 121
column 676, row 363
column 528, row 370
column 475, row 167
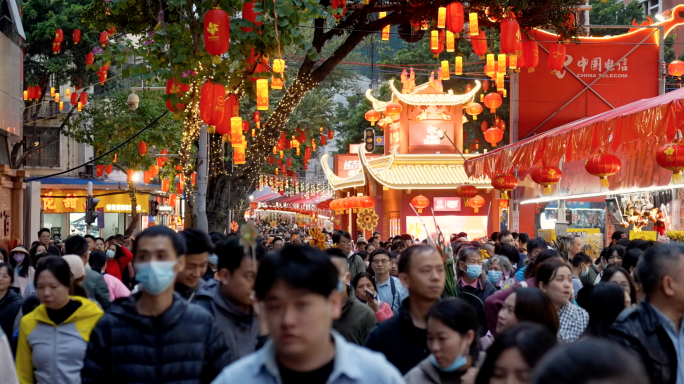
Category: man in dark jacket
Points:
column 343, row 241
column 403, row 338
column 155, row 336
column 229, row 298
column 93, row 283
column 653, row 330
column 357, row 319
column 189, row 280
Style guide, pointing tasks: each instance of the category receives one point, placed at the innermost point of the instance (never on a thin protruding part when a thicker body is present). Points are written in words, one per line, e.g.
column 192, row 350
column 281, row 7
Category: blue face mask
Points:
column 459, row 363
column 473, row 271
column 155, row 276
column 584, row 272
column 494, row 276
column 213, row 259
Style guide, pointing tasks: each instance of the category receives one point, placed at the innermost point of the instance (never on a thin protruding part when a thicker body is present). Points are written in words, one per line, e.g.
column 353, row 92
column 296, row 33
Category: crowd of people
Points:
column 193, row 307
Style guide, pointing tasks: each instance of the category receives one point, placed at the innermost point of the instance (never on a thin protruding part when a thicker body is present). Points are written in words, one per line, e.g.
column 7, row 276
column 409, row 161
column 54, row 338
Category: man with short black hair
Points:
column 389, row 288
column 403, row 338
column 506, row 237
column 189, row 280
column 581, row 263
column 342, row 240
column 616, row 236
column 495, row 237
column 90, row 239
column 155, row 336
column 574, row 246
column 94, row 283
column 298, row 287
column 653, row 330
column 278, row 243
column 229, row 299
column 356, row 319
column 516, row 243
column 374, row 241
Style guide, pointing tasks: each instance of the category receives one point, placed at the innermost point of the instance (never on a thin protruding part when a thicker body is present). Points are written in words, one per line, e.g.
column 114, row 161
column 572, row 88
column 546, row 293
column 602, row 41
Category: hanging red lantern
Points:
column 172, row 200
column 76, row 36
column 324, row 140
column 239, row 156
column 130, row 175
column 165, row 185
column 454, row 17
column 216, row 32
column 109, row 168
column 231, row 109
column 59, row 36
column 74, row 99
column 102, row 76
column 174, row 87
column 270, row 160
column 331, row 134
column 83, row 99
column 530, row 50
column 212, row 100
column 420, row 202
column 510, row 35
column 466, row 192
column 56, row 47
column 479, row 43
column 484, row 126
column 249, row 14
column 493, row 101
column 671, row 157
column 474, row 109
column 163, row 158
column 341, row 7
column 142, row 148
column 367, row 202
column 104, row 38
column 603, row 165
column 676, row 68
column 146, row 177
column 393, row 110
column 504, row 182
column 99, row 169
column 90, row 59
column 556, row 57
column 546, row 176
column 372, row 116
column 179, row 187
column 111, row 31
column 493, row 135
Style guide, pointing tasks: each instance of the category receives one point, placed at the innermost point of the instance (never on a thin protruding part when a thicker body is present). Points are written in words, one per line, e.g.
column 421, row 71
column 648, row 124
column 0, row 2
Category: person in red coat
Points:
column 118, row 259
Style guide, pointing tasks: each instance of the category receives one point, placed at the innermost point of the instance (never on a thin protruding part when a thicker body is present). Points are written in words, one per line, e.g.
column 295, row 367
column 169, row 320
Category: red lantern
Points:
column 603, row 165
column 530, row 50
column 676, row 68
column 474, row 109
column 466, row 192
column 99, row 169
column 671, row 157
column 104, row 38
column 56, row 47
column 556, row 57
column 111, row 31
column 504, row 182
column 367, row 202
column 323, row 140
column 74, row 99
column 493, row 135
column 109, row 168
column 493, row 101
column 102, row 75
column 420, row 202
column 142, row 148
column 454, row 17
column 173, row 87
column 249, row 14
column 437, row 41
column 59, row 36
column 510, row 35
column 393, row 110
column 484, row 126
column 479, row 43
column 83, row 98
column 179, row 187
column 231, row 109
column 212, row 100
column 216, row 32
column 546, row 176
column 76, row 36
column 130, row 175
column 90, row 59
column 372, row 116
column 476, row 203
column 340, row 6
column 270, row 160
column 163, row 158
column 331, row 134
column 146, row 177
column 172, row 200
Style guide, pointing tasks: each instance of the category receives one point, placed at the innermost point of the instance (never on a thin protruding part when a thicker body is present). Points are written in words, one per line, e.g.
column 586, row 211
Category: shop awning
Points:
column 633, row 132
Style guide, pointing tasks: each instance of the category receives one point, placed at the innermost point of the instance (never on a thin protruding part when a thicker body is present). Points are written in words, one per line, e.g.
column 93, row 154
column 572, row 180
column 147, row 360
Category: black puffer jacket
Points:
column 640, row 330
column 10, row 305
column 181, row 346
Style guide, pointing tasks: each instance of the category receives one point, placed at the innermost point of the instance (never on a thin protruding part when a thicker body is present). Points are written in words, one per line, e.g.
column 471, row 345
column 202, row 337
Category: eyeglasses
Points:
column 381, row 261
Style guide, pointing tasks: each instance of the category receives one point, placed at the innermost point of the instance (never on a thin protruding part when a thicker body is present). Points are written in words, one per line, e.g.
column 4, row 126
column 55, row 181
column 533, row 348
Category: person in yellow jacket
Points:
column 53, row 338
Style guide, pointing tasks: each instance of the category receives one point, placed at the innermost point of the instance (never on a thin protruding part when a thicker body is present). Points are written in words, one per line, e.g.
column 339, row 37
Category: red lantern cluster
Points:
column 420, row 202
column 504, row 182
column 603, row 165
column 546, row 176
column 33, row 92
column 671, row 157
column 216, row 32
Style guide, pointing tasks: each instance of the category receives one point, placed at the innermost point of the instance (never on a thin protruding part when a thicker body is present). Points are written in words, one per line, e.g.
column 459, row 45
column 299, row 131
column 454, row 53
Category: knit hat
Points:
column 75, row 265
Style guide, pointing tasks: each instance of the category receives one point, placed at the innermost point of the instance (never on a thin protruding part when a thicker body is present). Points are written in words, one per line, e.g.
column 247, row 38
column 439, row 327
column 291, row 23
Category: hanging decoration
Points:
column 458, row 66
column 603, row 165
column 420, row 202
column 476, row 203
column 109, row 168
column 142, row 148
column 493, row 135
column 437, row 39
column 99, row 169
column 130, row 175
column 466, row 192
column 76, row 36
column 385, row 34
column 216, row 33
column 504, row 182
column 479, row 42
column 671, row 157
column 262, row 94
column 367, row 219
column 493, row 101
column 546, row 176
column 474, row 109
column 454, row 18
column 372, row 116
column 510, row 35
column 445, row 70
column 212, row 101
column 676, row 68
column 104, row 38
column 341, row 7
column 393, row 110
column 474, row 28
column 530, row 50
column 179, row 89
column 556, row 57
column 441, row 17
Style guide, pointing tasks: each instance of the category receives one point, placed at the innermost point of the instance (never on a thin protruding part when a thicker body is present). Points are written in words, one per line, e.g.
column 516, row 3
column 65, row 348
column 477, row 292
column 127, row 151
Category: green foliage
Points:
column 614, row 13
column 352, row 120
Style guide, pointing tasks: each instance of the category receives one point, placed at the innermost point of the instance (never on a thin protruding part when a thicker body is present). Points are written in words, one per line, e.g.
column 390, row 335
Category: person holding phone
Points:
column 366, row 292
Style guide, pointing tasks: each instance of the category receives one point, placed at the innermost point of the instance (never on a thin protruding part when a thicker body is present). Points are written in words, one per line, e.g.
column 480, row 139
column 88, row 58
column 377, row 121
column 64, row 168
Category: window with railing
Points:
column 42, row 146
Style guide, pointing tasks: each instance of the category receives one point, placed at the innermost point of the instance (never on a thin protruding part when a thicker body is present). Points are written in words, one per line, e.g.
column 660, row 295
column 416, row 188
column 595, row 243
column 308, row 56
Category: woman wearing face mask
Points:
column 515, row 353
column 499, row 271
column 367, row 293
column 118, row 259
column 470, row 286
column 452, row 340
column 212, row 268
column 554, row 278
column 23, row 270
column 53, row 337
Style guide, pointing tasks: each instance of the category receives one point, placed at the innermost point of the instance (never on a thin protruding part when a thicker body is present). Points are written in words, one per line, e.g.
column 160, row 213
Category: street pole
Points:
column 202, row 222
column 89, row 193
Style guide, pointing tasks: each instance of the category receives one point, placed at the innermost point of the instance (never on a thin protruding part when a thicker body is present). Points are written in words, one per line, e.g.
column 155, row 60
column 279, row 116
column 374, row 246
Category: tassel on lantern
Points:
column 677, row 177
column 547, row 190
column 604, row 182
column 475, row 210
column 504, row 195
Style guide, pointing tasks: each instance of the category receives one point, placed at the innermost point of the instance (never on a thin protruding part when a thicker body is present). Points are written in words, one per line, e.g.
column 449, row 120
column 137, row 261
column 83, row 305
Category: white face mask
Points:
column 366, row 263
column 110, row 254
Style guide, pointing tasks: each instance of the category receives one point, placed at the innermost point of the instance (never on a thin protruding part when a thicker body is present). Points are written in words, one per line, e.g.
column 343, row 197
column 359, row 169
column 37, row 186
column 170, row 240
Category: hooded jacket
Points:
column 180, row 346
column 51, row 353
column 9, row 307
column 356, row 320
column 240, row 330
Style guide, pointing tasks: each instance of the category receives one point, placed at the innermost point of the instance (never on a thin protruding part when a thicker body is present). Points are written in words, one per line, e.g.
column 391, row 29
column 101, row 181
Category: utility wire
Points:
column 103, row 155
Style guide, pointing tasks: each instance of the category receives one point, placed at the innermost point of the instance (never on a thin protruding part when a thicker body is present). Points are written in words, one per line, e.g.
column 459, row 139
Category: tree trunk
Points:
column 134, row 209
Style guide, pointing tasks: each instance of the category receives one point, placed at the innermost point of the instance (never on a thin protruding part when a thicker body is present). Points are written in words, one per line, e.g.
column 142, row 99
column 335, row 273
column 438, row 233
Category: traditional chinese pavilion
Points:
column 423, row 131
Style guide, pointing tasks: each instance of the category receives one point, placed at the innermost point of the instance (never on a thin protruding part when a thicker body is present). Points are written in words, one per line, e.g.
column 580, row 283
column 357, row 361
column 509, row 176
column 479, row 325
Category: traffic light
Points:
column 91, row 212
column 369, row 139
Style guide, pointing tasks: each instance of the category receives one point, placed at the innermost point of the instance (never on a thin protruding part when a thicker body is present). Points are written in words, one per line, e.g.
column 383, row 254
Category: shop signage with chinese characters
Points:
column 67, row 201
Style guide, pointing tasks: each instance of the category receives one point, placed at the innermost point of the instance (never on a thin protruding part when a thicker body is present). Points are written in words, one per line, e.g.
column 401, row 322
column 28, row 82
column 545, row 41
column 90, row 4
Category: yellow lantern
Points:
column 513, row 61
column 458, row 67
column 79, row 106
column 450, row 42
column 445, row 70
column 68, row 92
column 474, row 29
column 275, row 150
column 25, row 95
column 261, row 94
column 502, row 63
column 276, row 82
column 61, row 105
column 239, row 155
column 434, row 39
column 56, row 97
column 500, row 80
column 52, row 91
column 385, row 29
column 281, row 154
column 441, row 17
column 235, row 128
column 278, row 65
column 424, row 25
column 490, row 60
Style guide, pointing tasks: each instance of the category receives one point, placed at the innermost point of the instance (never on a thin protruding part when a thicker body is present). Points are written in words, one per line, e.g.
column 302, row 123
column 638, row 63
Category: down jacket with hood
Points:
column 10, row 305
column 180, row 346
